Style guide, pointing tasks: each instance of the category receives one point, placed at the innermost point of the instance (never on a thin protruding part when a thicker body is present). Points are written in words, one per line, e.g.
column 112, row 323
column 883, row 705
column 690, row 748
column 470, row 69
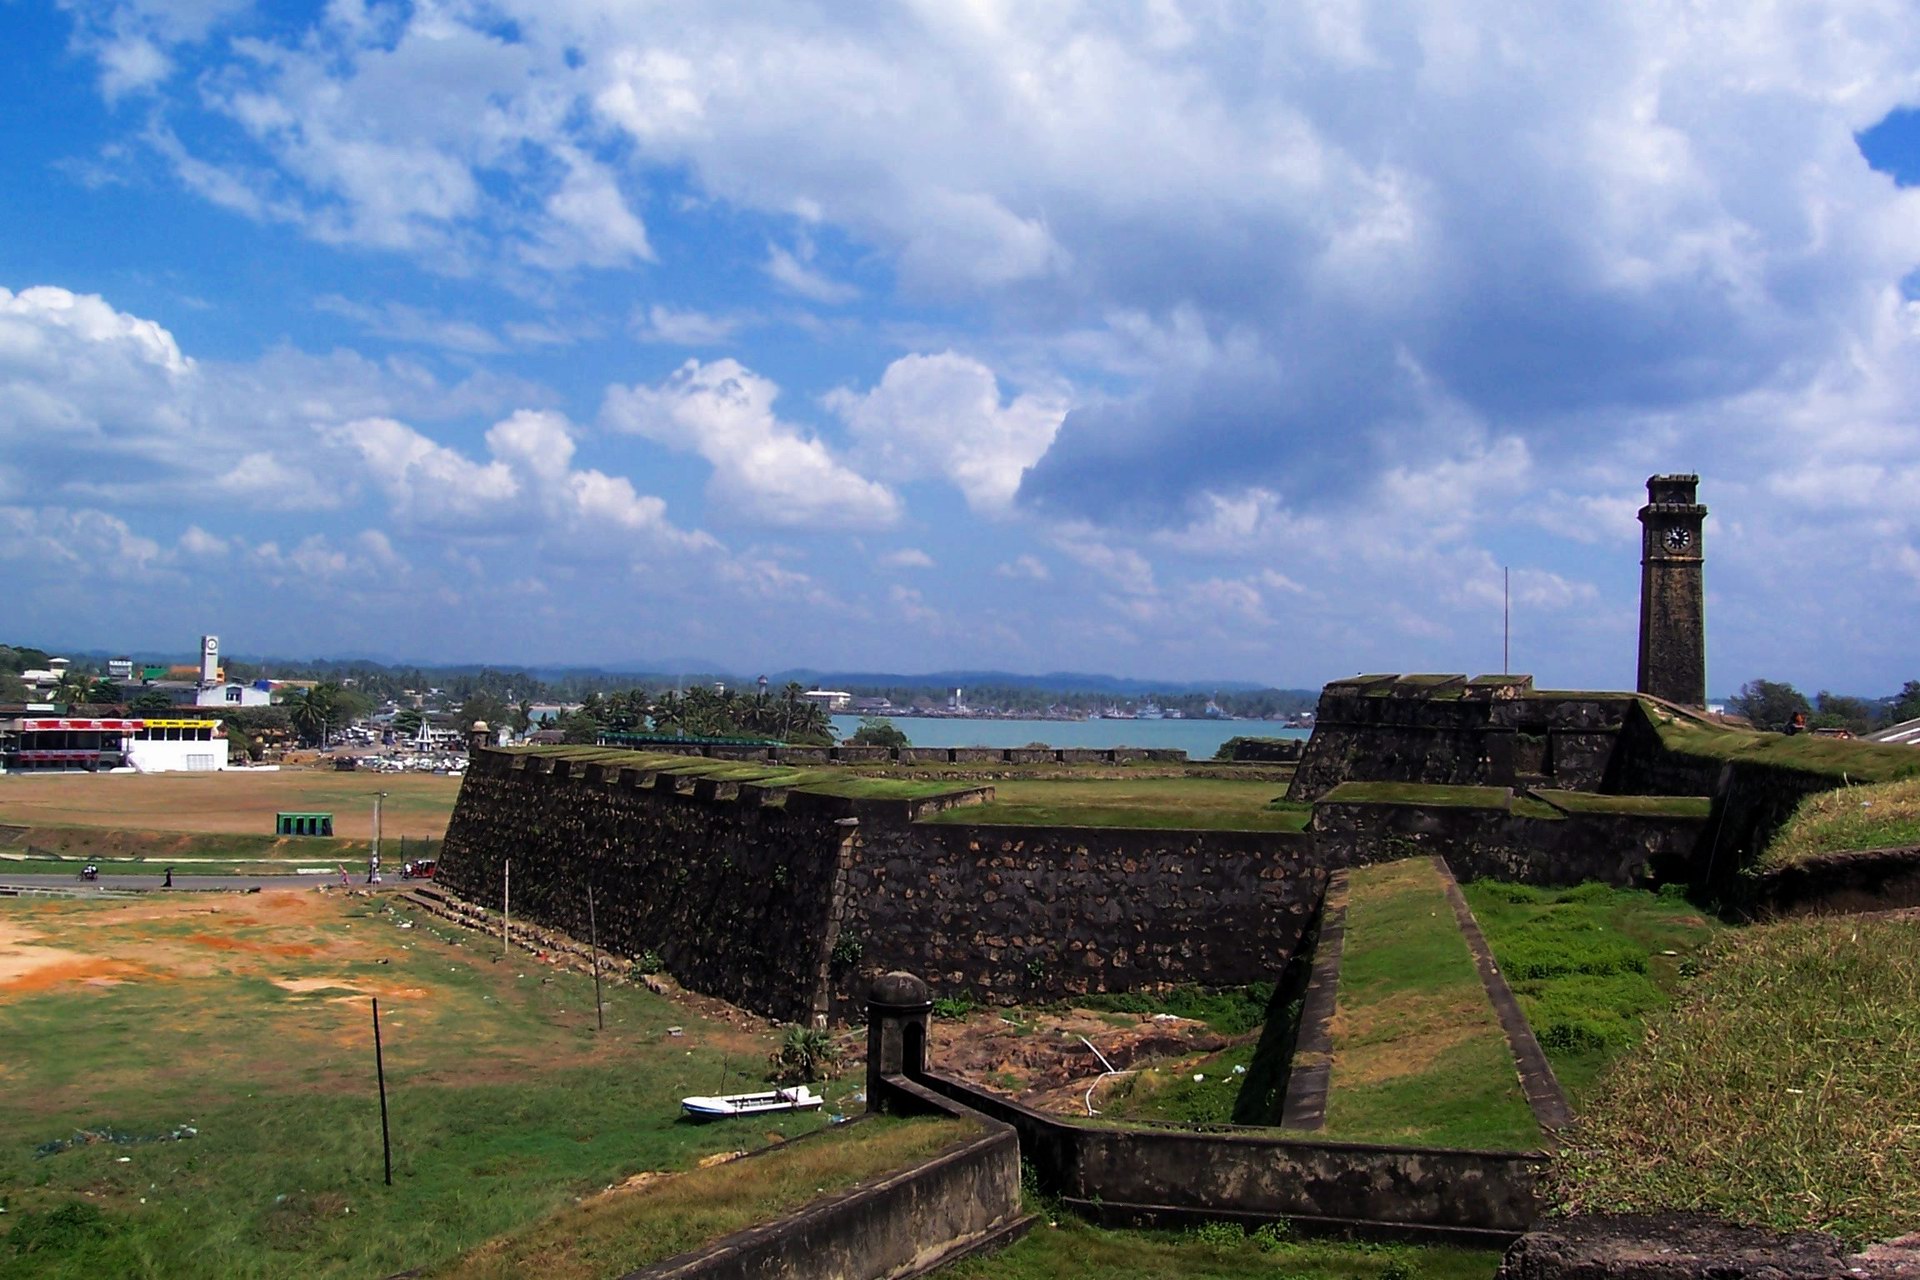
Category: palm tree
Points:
column 73, row 688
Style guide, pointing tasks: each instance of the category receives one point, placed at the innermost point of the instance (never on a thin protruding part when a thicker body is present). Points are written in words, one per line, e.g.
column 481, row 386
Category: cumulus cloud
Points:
column 942, row 416
column 764, row 469
column 907, row 558
column 529, row 481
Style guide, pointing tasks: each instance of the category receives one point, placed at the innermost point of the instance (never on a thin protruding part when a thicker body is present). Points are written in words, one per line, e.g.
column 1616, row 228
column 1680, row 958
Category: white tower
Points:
column 209, row 660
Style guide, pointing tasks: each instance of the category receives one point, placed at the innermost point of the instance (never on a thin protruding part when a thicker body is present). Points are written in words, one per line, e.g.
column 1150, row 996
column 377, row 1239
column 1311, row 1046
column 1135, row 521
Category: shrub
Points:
column 847, row 950
column 648, row 961
column 805, row 1053
column 1222, row 1234
column 954, row 1006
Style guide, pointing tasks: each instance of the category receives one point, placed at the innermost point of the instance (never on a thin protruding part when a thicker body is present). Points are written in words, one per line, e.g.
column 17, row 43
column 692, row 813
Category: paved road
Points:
column 182, row 883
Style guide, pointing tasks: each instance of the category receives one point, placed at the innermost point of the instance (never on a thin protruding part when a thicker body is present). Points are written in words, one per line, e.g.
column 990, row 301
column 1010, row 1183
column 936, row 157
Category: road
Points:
column 181, row 883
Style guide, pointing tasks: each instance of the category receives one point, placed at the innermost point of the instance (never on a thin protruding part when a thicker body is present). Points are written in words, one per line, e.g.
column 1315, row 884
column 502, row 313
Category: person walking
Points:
column 169, row 883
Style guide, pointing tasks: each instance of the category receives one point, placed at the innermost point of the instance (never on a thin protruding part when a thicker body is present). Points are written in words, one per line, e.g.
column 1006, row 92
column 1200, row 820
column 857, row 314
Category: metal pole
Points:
column 1506, row 621
column 380, row 1069
column 593, row 935
column 506, row 903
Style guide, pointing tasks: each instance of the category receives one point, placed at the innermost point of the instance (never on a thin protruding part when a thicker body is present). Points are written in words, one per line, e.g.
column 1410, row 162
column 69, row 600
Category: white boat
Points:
column 797, row 1098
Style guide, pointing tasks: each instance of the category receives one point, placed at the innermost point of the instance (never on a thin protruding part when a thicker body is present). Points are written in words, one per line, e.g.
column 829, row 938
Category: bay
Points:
column 1198, row 738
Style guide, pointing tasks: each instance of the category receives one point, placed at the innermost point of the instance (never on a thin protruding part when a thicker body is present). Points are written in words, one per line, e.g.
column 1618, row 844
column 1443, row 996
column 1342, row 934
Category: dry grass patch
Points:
column 650, row 1217
column 231, row 803
column 1783, row 1091
column 1419, row 1026
column 1418, row 1055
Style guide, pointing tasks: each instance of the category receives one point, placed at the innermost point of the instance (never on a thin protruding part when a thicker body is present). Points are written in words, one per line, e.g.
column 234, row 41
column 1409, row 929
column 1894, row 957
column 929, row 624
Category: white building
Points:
column 232, row 694
column 169, row 746
column 831, row 699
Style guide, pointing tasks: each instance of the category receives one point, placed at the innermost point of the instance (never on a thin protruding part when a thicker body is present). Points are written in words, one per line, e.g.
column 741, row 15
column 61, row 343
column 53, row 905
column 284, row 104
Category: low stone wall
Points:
column 1837, row 883
column 1164, row 1176
column 1482, row 843
column 909, row 1222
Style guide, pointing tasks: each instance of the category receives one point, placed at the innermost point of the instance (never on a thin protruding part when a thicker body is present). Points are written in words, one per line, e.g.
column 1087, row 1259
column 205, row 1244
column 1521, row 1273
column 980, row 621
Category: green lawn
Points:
column 246, row 1018
column 1781, row 1090
column 1418, row 1055
column 1877, row 816
column 1588, row 964
column 1072, row 1250
column 1191, row 804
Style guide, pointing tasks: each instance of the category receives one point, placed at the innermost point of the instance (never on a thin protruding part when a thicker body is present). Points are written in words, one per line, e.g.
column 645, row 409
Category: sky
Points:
column 1204, row 340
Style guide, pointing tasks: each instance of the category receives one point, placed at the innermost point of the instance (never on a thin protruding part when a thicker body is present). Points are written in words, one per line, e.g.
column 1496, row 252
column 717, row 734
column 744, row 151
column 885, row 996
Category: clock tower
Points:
column 1673, row 610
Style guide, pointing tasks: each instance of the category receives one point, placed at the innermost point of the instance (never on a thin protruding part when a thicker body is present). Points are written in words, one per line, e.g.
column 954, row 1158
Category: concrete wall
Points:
column 1167, row 1175
column 902, row 1223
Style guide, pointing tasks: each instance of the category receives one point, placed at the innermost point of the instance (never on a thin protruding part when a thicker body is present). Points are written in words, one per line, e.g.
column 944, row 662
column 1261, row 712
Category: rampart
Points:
column 1447, row 730
column 787, row 902
column 1494, row 833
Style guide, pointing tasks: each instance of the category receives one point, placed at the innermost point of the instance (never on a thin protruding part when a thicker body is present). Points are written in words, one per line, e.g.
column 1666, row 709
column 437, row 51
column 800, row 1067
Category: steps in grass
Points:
column 1419, row 1056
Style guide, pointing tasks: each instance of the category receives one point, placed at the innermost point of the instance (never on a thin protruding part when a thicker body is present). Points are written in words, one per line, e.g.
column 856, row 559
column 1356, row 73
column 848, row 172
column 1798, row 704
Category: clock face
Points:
column 1678, row 539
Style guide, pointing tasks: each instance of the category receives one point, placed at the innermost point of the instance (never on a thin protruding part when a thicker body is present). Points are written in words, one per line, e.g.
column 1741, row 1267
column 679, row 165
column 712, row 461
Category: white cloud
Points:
column 941, row 415
column 529, row 481
column 763, row 468
column 1024, row 566
column 683, row 328
column 403, row 323
column 906, row 558
column 52, row 542
column 793, row 272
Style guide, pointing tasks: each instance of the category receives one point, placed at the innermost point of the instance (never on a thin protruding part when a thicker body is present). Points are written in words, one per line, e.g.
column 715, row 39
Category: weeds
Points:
column 1777, row 1093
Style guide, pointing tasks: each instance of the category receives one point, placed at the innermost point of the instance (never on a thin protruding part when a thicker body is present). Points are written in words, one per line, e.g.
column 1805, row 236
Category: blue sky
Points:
column 1184, row 340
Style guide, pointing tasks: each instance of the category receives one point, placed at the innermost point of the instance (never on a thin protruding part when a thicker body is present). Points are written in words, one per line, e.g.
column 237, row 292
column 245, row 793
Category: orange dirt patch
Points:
column 289, row 949
column 93, row 971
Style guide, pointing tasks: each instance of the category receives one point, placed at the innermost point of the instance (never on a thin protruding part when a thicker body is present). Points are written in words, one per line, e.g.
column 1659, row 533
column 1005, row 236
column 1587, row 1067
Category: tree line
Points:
column 1773, row 704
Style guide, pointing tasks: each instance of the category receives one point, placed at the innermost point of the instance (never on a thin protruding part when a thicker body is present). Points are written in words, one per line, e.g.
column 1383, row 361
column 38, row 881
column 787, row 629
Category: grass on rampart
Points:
column 820, row 780
column 1628, row 806
column 1843, row 759
column 1072, row 1250
column 1878, row 816
column 1781, row 1091
column 1588, row 964
column 1418, row 1055
column 246, row 1019
column 1186, row 804
column 1420, row 793
column 631, row 1227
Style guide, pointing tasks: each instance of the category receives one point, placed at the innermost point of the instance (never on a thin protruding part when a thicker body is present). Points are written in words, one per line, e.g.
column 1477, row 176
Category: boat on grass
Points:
column 797, row 1098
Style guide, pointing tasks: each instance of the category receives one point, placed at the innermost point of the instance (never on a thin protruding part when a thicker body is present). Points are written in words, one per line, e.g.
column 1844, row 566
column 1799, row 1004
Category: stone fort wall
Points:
column 1448, row 730
column 789, row 903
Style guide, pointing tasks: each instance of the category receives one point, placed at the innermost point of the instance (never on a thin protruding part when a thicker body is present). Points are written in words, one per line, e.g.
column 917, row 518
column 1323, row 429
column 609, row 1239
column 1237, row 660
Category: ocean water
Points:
column 1198, row 738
